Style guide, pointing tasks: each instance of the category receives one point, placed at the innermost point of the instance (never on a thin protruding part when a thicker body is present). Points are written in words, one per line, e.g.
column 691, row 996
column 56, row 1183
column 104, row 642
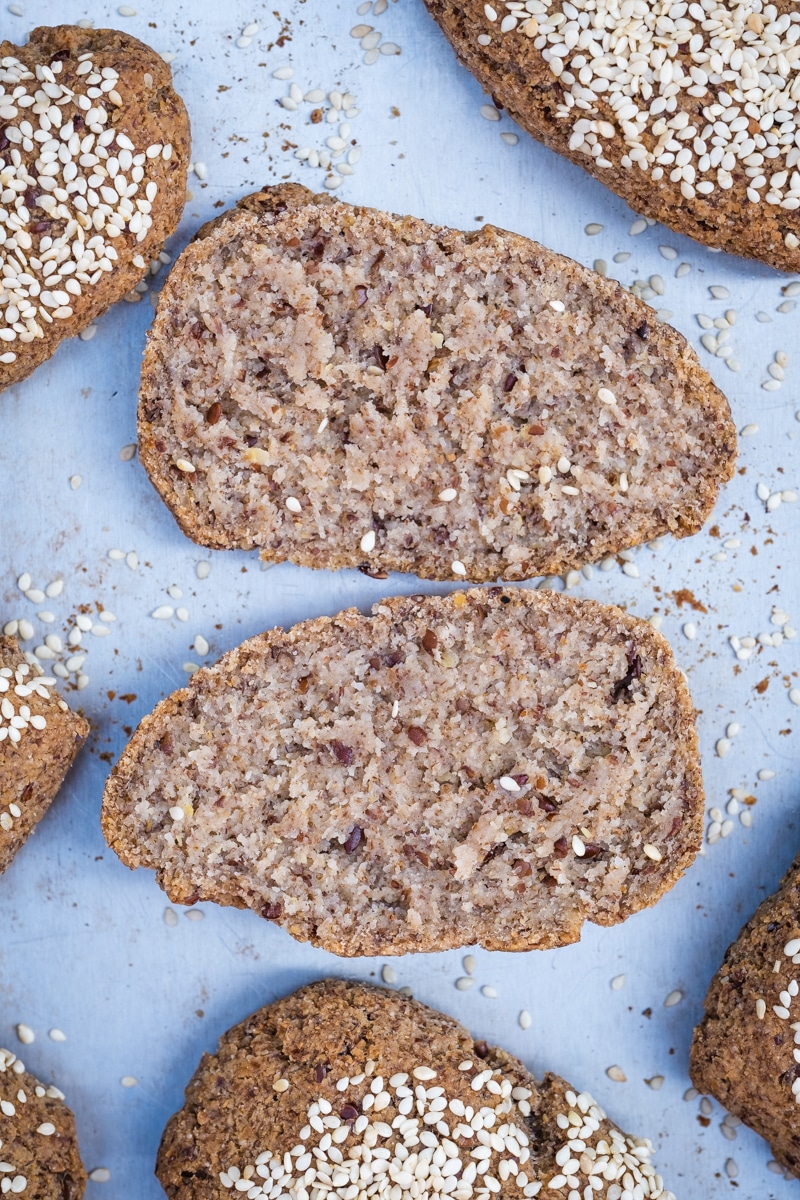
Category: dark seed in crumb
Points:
column 344, row 754
column 349, row 1114
column 634, row 672
column 509, row 382
column 429, row 641
column 417, row 735
column 481, row 1049
column 214, row 413
column 561, row 849
column 380, row 357
column 361, row 296
column 463, row 705
column 522, row 868
column 354, row 839
column 643, row 331
column 272, row 912
column 320, row 1073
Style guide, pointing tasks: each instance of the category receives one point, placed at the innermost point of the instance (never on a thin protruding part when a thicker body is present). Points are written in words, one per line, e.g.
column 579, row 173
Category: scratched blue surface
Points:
column 84, row 946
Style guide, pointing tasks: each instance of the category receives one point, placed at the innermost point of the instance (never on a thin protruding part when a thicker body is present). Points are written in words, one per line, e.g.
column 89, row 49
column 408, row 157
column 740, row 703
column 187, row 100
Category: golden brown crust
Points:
column 667, row 350
column 49, row 1161
column 33, row 769
column 150, row 113
column 370, row 1041
column 520, row 931
column 514, row 73
column 746, row 1060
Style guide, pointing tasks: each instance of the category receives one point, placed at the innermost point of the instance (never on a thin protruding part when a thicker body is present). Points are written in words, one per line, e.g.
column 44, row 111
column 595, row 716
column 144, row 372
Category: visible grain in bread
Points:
column 41, row 1159
column 513, row 71
column 744, row 1050
column 151, row 113
column 492, row 766
column 33, row 761
column 273, row 1080
column 341, row 387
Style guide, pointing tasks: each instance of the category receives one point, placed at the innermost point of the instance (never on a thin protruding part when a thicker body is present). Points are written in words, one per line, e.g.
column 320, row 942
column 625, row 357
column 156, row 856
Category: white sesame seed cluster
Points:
column 18, row 688
column 71, row 185
column 649, row 62
column 437, row 1146
column 782, row 1010
column 12, row 1182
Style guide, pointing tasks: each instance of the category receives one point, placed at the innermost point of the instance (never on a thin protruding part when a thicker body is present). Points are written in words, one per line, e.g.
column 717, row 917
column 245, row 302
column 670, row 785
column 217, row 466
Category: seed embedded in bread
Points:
column 493, row 766
column 689, row 112
column 344, row 1086
column 40, row 1152
column 340, row 387
column 746, row 1050
column 93, row 158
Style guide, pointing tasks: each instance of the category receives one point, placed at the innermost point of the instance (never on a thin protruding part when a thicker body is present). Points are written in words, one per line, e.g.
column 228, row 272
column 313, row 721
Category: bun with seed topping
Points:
column 38, row 1143
column 494, row 766
column 746, row 1051
column 687, row 111
column 343, row 1089
column 39, row 739
column 94, row 150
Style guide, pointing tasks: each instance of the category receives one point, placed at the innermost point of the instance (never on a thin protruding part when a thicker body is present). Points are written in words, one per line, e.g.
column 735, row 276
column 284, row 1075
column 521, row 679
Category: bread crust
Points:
column 338, row 1030
column 514, row 73
column 519, row 929
column 743, row 1059
column 50, row 1162
column 33, row 769
column 526, row 544
column 149, row 114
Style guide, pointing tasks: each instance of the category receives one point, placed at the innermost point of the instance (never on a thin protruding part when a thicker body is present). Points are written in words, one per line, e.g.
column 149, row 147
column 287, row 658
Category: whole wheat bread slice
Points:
column 494, row 766
column 691, row 133
column 340, row 387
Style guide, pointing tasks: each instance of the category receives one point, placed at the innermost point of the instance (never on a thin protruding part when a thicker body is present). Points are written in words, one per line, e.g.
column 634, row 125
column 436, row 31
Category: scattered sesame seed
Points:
column 469, row 964
column 489, row 992
column 75, row 482
column 524, row 1019
column 673, row 998
column 617, row 1074
column 129, row 1081
column 690, row 630
column 489, row 112
column 617, row 982
column 593, row 229
column 164, row 612
column 170, row 917
column 464, row 983
column 56, row 1035
column 388, row 974
column 125, row 10
column 100, row 1175
column 656, row 1082
column 26, row 1035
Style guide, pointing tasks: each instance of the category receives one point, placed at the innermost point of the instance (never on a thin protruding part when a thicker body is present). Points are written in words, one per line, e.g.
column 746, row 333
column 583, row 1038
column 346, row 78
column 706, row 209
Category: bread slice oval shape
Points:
column 495, row 766
column 95, row 154
column 342, row 1072
column 687, row 134
column 340, row 387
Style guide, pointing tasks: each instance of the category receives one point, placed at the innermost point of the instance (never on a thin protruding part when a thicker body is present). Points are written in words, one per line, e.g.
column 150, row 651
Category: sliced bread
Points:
column 491, row 766
column 340, row 387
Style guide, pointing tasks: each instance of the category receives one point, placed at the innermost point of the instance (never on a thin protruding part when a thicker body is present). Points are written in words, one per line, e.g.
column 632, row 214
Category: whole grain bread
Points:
column 687, row 135
column 340, row 387
column 491, row 766
column 342, row 1083
column 744, row 1052
column 39, row 739
column 41, row 1159
column 97, row 197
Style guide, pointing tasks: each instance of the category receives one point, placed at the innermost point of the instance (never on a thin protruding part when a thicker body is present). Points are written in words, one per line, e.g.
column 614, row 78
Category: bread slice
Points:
column 39, row 739
column 41, row 1158
column 690, row 136
column 745, row 1051
column 340, row 387
column 342, row 1077
column 491, row 766
column 97, row 196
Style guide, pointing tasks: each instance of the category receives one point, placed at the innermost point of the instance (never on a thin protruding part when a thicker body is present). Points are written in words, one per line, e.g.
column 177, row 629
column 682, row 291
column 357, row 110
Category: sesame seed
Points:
column 184, row 465
column 673, row 998
column 593, row 229
column 489, row 992
column 464, row 983
column 489, row 112
column 447, row 495
column 458, row 568
column 100, row 1175
column 46, row 1129
column 690, row 630
column 617, row 982
column 177, row 813
column 652, row 852
column 56, row 1035
column 164, row 612
column 388, row 974
column 293, row 504
column 281, row 1085
column 26, row 1035
column 524, row 1019
column 618, row 1076
column 129, row 1081
column 367, row 543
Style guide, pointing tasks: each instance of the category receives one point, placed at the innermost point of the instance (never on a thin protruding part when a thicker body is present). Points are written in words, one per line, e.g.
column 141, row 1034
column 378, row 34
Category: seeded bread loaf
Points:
column 39, row 739
column 697, row 128
column 340, row 387
column 38, row 1143
column 343, row 1086
column 94, row 150
column 746, row 1051
column 492, row 766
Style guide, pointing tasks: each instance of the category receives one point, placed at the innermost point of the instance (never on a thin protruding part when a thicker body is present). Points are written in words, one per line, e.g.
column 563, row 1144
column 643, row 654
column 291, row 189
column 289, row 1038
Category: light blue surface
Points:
column 84, row 946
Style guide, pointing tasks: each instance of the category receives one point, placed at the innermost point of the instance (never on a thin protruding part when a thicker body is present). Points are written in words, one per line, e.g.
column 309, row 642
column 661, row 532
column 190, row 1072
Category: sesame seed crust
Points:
column 341, row 387
column 39, row 739
column 94, row 151
column 385, row 1097
column 746, row 1051
column 38, row 1142
column 485, row 767
column 696, row 127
